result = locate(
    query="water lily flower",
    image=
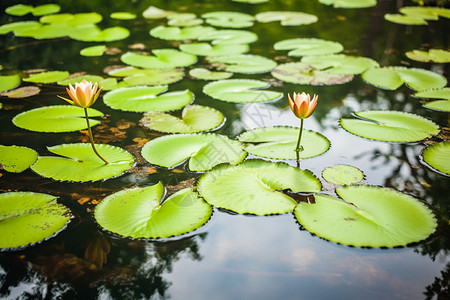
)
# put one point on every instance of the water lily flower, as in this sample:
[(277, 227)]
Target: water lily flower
[(83, 95)]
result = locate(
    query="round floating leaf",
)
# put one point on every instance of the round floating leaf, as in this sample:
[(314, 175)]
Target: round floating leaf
[(254, 187), (204, 151), (405, 20), (93, 51), (340, 64), (153, 12), (184, 19), (22, 92), (144, 98), (302, 73), (75, 79), (28, 218), (240, 91), (139, 213), (194, 118), (442, 105), (229, 37), (163, 59), (205, 49), (19, 10), (369, 216), (19, 27), (47, 77), (73, 19), (435, 55), (350, 3), (390, 126), (40, 10), (95, 34), (16, 158), (437, 156), (57, 118), (229, 19), (78, 162), (287, 18), (134, 76), (244, 63), (9, 82), (122, 15), (172, 33), (343, 175), (308, 46), (205, 74), (280, 142), (386, 78)]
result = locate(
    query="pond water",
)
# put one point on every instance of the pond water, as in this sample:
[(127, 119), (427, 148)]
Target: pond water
[(232, 256)]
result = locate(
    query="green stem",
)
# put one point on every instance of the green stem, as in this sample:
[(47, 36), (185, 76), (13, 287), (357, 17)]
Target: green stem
[(91, 137), (298, 147)]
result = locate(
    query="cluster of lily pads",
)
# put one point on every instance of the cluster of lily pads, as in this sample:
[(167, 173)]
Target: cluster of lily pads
[(366, 216)]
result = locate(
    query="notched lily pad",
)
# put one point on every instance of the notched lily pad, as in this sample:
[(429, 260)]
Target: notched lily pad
[(40, 10), (229, 37), (229, 19), (342, 175), (287, 18), (243, 63), (93, 51), (350, 3), (22, 92), (417, 15), (437, 157), (16, 158), (442, 105), (205, 74), (308, 46), (153, 12), (47, 77), (9, 82), (174, 33), (184, 20), (162, 59), (141, 212), (340, 63), (434, 55), (136, 76), (205, 49)]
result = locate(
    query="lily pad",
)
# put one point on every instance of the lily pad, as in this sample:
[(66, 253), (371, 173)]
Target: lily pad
[(134, 76), (434, 55), (194, 118), (205, 74), (19, 27), (47, 77), (205, 49), (287, 18), (340, 63), (95, 34), (22, 92), (302, 73), (40, 10), (153, 12), (173, 33), (437, 156), (141, 213), (442, 105), (78, 162), (392, 78), (145, 98), (279, 142), (243, 63), (390, 126), (417, 15), (9, 82), (72, 19), (343, 175), (93, 51), (350, 3), (251, 1), (162, 59), (74, 79), (229, 19), (308, 46), (123, 15), (184, 20), (240, 91), (56, 118), (16, 158), (255, 187), (204, 151), (229, 37), (29, 218), (368, 216)]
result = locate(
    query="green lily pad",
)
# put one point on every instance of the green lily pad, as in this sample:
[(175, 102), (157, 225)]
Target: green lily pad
[(56, 118), (123, 15), (28, 218), (308, 46), (205, 74), (254, 187), (93, 51), (75, 79), (140, 212), (251, 1), (343, 175), (390, 126), (350, 3), (162, 59), (40, 10), (229, 37), (437, 157), (405, 20), (302, 73), (441, 105), (392, 78), (417, 15), (47, 77), (19, 27), (287, 18), (279, 142), (9, 82), (153, 12), (72, 19), (194, 118), (173, 33), (229, 19), (145, 98), (16, 158), (240, 91), (205, 49), (243, 63), (184, 20), (368, 216), (22, 92), (434, 55), (204, 151), (78, 162), (94, 34), (134, 76), (340, 63)]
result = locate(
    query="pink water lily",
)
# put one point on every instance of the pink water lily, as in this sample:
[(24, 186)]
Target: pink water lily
[(84, 94), (302, 106)]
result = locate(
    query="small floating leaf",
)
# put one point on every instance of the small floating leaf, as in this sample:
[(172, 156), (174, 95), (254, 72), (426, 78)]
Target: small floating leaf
[(437, 156), (139, 213), (74, 79), (368, 216), (229, 19), (40, 10), (229, 37), (163, 59), (153, 12), (417, 15), (16, 158), (205, 49), (56, 118), (343, 175), (390, 126), (173, 33), (254, 187), (9, 82), (243, 63), (340, 64), (435, 55), (442, 105), (204, 151), (22, 92), (251, 1), (78, 162), (308, 46), (144, 98), (350, 3), (205, 74), (95, 34), (93, 51), (135, 76), (194, 118), (279, 142), (287, 18), (47, 77), (240, 91), (184, 19), (29, 218), (19, 27), (123, 15)]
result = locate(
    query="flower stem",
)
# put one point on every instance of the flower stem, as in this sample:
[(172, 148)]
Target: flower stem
[(299, 147), (91, 139)]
